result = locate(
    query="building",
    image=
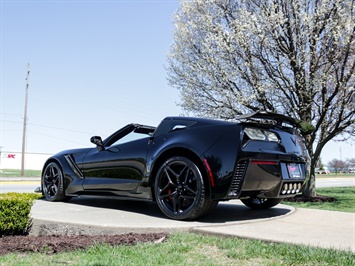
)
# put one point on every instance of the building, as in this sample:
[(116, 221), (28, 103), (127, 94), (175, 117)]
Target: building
[(12, 160)]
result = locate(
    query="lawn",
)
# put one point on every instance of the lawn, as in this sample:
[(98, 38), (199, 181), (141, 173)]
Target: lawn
[(190, 249), (345, 200), (17, 172)]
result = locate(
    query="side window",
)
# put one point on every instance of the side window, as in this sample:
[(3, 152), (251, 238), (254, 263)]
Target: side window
[(129, 137)]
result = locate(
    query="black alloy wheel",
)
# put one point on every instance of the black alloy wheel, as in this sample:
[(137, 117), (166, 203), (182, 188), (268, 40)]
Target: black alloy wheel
[(180, 189), (260, 203), (52, 183)]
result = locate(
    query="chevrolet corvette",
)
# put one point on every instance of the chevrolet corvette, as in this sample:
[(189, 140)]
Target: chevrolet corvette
[(187, 165)]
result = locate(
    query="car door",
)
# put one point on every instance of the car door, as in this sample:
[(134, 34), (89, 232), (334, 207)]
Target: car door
[(119, 167)]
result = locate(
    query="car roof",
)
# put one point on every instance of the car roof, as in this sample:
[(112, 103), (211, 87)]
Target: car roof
[(173, 123)]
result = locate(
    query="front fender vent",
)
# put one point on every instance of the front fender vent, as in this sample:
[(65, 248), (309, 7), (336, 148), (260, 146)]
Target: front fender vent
[(73, 166), (237, 181)]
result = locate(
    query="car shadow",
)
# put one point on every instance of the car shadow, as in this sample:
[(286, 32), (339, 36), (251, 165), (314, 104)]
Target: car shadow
[(231, 211)]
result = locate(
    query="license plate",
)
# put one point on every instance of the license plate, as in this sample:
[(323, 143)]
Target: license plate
[(294, 170)]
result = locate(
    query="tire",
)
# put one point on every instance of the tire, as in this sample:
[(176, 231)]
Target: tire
[(260, 203), (180, 189), (52, 183), (210, 206)]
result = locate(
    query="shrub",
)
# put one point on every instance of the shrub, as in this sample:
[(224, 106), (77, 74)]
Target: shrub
[(15, 212)]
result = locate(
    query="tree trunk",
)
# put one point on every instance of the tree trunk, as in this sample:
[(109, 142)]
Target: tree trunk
[(310, 189)]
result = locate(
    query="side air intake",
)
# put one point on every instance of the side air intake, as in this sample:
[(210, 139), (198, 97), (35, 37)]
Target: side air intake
[(237, 179)]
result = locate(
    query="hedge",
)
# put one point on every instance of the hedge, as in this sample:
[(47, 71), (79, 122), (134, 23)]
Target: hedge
[(15, 211)]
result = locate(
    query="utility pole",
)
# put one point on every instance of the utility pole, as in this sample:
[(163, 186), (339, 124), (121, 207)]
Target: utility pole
[(25, 123)]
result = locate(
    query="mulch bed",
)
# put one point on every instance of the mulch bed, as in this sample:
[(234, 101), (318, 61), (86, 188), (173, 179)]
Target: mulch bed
[(55, 244), (318, 198)]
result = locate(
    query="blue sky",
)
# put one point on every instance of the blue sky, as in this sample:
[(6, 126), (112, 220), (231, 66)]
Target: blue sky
[(95, 67)]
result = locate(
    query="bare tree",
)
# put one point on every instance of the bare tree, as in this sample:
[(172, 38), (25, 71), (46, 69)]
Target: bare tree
[(295, 57), (351, 163), (338, 165)]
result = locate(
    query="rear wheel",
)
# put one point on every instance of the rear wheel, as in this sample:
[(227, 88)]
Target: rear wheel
[(260, 203), (210, 206), (52, 183), (180, 189)]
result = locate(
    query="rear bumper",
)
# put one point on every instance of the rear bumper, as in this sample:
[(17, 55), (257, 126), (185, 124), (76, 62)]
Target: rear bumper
[(267, 179)]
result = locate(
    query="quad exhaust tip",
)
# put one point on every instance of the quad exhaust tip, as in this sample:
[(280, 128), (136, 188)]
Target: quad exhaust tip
[(291, 188)]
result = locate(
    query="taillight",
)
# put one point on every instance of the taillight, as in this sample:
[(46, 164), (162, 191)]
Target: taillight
[(261, 134), (264, 162)]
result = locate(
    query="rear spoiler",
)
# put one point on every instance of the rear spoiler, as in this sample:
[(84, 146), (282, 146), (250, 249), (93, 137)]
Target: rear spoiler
[(305, 128)]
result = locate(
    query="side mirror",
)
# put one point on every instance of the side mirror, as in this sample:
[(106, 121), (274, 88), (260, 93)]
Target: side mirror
[(98, 142)]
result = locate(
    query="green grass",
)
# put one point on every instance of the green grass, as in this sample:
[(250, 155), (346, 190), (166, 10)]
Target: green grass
[(190, 249), (345, 200), (17, 172)]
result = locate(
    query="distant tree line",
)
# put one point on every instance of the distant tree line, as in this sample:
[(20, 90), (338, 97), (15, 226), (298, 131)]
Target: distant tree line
[(342, 166)]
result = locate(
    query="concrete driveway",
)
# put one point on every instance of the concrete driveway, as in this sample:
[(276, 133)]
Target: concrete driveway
[(92, 215), (121, 216)]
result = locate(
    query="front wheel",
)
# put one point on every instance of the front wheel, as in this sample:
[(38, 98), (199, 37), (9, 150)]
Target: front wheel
[(52, 183), (180, 189), (260, 203)]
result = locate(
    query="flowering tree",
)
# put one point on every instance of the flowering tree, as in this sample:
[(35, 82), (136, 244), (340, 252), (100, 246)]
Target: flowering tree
[(295, 57)]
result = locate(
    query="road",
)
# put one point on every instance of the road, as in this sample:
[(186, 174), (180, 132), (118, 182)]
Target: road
[(23, 186), (30, 186), (335, 182)]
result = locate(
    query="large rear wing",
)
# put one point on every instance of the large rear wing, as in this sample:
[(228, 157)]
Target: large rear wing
[(279, 119)]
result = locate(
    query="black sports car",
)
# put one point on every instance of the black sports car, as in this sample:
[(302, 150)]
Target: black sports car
[(187, 165)]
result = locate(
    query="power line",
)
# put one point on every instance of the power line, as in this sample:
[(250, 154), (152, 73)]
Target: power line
[(11, 114), (53, 137), (56, 128)]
